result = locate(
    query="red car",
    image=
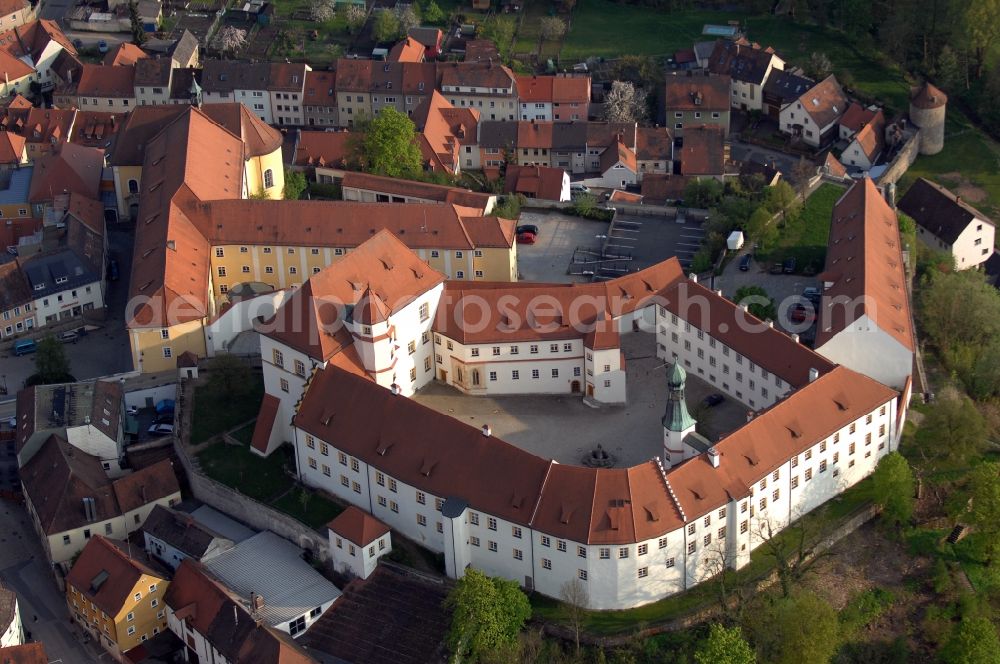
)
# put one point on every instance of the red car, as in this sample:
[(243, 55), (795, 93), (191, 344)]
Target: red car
[(799, 313), (526, 238)]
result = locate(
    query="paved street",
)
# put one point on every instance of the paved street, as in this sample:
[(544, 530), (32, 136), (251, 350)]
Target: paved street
[(24, 569)]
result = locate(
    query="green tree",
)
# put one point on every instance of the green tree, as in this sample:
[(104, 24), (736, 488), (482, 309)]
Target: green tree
[(228, 374), (795, 629), (51, 363), (760, 228), (389, 145), (952, 433), (724, 646), (981, 29), (433, 13), (138, 32), (355, 17), (983, 493), (893, 486), (959, 308), (488, 613), (295, 184), (973, 641), (781, 198), (758, 302), (500, 30), (385, 28), (948, 71), (703, 193)]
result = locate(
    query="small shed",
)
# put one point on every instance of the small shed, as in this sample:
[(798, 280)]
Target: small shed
[(357, 541), (735, 241)]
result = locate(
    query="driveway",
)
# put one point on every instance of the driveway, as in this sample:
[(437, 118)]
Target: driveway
[(25, 570), (786, 163)]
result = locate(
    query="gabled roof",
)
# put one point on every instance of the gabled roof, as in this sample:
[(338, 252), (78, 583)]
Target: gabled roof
[(543, 182), (703, 152), (869, 139), (106, 575), (618, 153), (181, 531), (857, 116), (224, 76), (490, 75), (786, 86), (72, 168), (742, 60), (690, 91), (287, 76), (939, 211), (326, 148), (498, 134), (407, 50), (354, 75), (833, 166), (864, 264), (14, 288), (126, 53), (27, 653), (416, 189), (153, 72), (320, 89), (107, 81), (96, 128), (825, 102), (11, 147), (358, 526)]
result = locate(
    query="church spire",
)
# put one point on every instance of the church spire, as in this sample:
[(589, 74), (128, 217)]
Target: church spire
[(676, 417)]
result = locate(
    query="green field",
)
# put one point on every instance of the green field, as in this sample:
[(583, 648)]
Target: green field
[(805, 235), (318, 511), (236, 466), (216, 411)]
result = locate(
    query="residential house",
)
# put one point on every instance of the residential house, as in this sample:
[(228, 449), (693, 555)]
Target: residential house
[(27, 653), (15, 13), (215, 624), (856, 117), (604, 135), (28, 53), (695, 99), (945, 222), (45, 129), (282, 589), (123, 55), (654, 150), (326, 154), (368, 188), (488, 87), (542, 182), (534, 140), (447, 137), (242, 82), (95, 129), (11, 629), (865, 146), (102, 88), (116, 595), (430, 38), (152, 81), (15, 180), (783, 88), (407, 50), (353, 87), (70, 498), (287, 87), (662, 189), (703, 52), (814, 117), (553, 97), (619, 167), (16, 312), (69, 168), (357, 541), (88, 415), (319, 100), (569, 146), (172, 537), (864, 317), (185, 52), (748, 65), (497, 144), (705, 153)]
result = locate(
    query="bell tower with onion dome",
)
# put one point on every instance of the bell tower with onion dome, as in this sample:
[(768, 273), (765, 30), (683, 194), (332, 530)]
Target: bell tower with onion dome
[(677, 421)]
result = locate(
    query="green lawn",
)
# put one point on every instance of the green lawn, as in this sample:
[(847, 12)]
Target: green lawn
[(526, 40), (236, 466), (245, 434), (820, 521), (318, 512), (805, 237), (216, 411)]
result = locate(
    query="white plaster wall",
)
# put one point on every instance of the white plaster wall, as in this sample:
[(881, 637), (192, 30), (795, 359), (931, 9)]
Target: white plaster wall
[(868, 349)]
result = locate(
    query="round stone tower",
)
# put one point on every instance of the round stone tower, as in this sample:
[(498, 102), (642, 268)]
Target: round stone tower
[(927, 109)]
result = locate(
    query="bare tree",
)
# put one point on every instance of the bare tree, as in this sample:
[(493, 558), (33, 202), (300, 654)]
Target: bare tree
[(355, 15), (322, 11), (574, 596), (717, 563), (408, 17), (802, 173), (793, 551), (231, 39), (624, 103), (553, 28)]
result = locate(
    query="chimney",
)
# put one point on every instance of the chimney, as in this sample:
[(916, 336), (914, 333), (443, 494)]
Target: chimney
[(693, 277), (750, 415), (713, 457), (258, 602), (487, 431), (795, 337), (813, 374), (394, 389)]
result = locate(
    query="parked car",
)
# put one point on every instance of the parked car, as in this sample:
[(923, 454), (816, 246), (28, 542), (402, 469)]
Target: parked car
[(800, 313), (526, 238), (788, 267), (165, 406), (527, 228), (160, 429), (25, 346), (811, 294), (712, 400), (102, 46), (69, 337), (578, 188), (745, 262)]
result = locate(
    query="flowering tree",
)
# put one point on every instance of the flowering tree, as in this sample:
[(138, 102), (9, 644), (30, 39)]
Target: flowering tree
[(321, 11), (355, 15), (232, 39)]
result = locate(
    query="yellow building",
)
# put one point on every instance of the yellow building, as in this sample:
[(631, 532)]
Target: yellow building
[(117, 595)]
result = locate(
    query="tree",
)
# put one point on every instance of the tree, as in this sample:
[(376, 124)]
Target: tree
[(799, 628), (981, 29), (793, 552), (984, 507), (952, 433), (135, 22), (295, 184), (231, 39), (575, 598), (321, 11), (51, 363), (553, 28), (355, 16), (624, 103), (818, 66), (499, 29), (407, 17), (488, 613), (973, 641), (389, 145), (433, 13), (703, 193), (948, 70), (893, 487), (385, 28), (724, 646), (782, 198), (760, 228), (758, 302), (802, 172), (228, 374)]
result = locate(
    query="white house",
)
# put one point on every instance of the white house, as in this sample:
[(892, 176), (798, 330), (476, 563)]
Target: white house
[(945, 222), (357, 541), (12, 633), (814, 117), (748, 65), (619, 167), (171, 537), (864, 316)]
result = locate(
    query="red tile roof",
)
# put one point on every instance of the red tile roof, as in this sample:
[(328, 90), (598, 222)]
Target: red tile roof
[(407, 50), (320, 89), (616, 154), (834, 167), (864, 262), (689, 91), (126, 53), (416, 189), (358, 526), (103, 558), (327, 148), (825, 102), (653, 143), (11, 147), (703, 152), (106, 81), (28, 653), (927, 96), (71, 168), (542, 182), (857, 116), (269, 406)]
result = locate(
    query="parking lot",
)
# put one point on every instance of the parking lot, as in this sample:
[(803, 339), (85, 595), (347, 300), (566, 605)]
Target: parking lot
[(570, 248), (563, 428)]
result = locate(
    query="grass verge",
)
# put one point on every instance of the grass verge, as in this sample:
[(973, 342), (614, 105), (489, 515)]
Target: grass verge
[(216, 411), (236, 466), (805, 236), (314, 511)]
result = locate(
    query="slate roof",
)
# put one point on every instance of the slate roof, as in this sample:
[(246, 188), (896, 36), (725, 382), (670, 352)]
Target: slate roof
[(180, 531), (938, 210)]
